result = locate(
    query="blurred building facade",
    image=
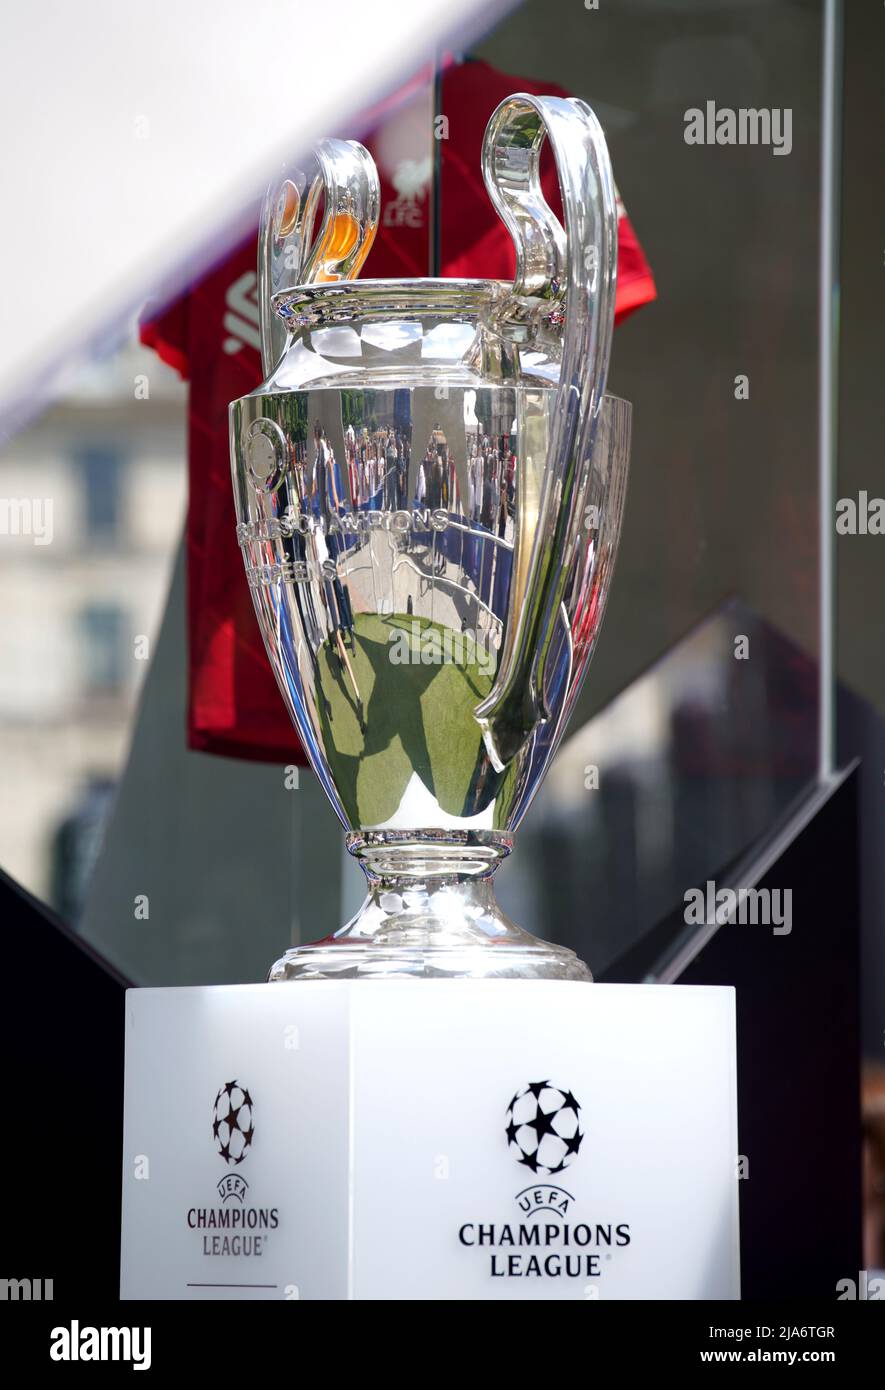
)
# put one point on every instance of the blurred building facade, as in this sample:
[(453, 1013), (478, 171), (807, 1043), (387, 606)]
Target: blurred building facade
[(92, 500)]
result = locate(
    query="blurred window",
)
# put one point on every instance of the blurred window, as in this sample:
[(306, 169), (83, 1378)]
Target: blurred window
[(101, 470), (104, 640)]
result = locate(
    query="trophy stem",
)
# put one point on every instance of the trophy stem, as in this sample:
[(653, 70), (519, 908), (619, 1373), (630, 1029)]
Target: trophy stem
[(430, 912)]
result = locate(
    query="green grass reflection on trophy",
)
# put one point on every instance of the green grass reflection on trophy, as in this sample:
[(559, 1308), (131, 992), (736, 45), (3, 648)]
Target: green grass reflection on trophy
[(409, 717)]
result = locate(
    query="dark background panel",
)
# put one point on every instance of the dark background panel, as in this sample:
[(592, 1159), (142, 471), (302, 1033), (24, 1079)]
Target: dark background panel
[(61, 1033), (798, 1030)]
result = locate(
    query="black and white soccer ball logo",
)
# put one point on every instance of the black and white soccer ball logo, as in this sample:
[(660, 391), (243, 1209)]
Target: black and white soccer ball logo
[(543, 1127), (232, 1122)]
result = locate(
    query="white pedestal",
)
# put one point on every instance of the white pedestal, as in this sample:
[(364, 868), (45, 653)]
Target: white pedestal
[(378, 1162)]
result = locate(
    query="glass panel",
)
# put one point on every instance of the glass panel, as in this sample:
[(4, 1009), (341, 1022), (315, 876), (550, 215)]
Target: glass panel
[(709, 745), (664, 790), (238, 856), (722, 368), (91, 505), (700, 712)]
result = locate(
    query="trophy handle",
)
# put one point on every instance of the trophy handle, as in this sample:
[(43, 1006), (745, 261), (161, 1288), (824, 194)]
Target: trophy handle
[(575, 269), (343, 172)]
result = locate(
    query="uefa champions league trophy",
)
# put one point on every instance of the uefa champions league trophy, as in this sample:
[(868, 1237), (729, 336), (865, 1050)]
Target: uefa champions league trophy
[(429, 489)]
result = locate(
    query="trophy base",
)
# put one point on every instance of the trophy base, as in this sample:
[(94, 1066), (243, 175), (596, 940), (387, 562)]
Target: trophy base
[(385, 1166), (430, 914), (357, 961)]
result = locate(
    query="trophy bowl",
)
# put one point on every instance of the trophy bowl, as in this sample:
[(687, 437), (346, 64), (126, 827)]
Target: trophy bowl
[(429, 489)]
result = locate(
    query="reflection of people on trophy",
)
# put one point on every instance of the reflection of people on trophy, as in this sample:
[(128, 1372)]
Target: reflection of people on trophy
[(489, 506), (356, 447), (424, 471), (391, 460), (490, 494), (300, 471), (339, 615), (510, 475), (459, 493), (326, 498), (295, 547), (353, 476), (402, 474), (503, 512), (438, 495), (474, 482), (377, 460)]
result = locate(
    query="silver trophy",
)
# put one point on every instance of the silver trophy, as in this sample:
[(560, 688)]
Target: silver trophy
[(429, 489)]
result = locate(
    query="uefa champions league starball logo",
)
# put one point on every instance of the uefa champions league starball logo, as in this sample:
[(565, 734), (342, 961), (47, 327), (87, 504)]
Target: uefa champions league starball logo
[(232, 1122), (543, 1127)]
